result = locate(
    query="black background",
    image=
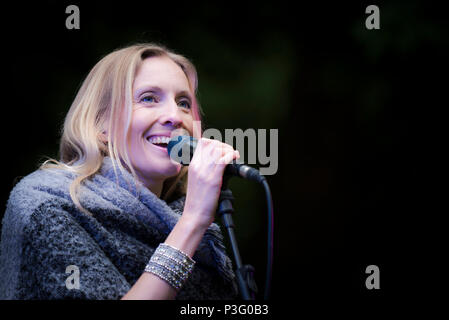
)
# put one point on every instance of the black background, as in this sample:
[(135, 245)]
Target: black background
[(353, 108)]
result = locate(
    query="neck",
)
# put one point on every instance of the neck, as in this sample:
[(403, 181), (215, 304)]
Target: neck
[(154, 186)]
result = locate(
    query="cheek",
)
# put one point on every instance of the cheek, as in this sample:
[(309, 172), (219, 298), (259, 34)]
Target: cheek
[(135, 136), (141, 121), (188, 123)]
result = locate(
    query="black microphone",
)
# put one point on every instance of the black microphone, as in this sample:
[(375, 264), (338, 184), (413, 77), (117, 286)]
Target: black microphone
[(181, 149)]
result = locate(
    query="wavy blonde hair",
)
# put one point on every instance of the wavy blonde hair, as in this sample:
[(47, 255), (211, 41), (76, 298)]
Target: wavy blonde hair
[(105, 99)]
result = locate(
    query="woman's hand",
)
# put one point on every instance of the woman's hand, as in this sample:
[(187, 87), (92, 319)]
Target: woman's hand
[(205, 177), (203, 190)]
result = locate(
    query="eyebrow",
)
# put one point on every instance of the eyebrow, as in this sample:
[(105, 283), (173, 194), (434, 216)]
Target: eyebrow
[(156, 89)]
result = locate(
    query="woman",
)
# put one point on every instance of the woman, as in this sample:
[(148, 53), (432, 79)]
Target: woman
[(116, 218)]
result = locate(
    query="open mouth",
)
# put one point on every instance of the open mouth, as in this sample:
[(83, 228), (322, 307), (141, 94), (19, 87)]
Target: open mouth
[(159, 141)]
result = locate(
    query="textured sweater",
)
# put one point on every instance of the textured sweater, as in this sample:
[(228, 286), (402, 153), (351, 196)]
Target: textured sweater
[(43, 233)]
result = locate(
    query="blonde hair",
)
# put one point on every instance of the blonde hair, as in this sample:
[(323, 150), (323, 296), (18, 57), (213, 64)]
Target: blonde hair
[(103, 99)]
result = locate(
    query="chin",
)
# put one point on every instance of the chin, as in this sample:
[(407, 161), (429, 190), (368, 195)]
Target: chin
[(165, 172), (172, 172)]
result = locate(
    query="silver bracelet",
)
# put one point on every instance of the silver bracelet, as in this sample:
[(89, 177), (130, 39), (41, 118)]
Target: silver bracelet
[(171, 265)]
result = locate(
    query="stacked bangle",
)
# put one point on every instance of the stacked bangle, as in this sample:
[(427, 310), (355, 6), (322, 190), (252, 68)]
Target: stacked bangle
[(171, 265)]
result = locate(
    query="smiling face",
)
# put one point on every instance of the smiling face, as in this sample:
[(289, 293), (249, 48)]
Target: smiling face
[(162, 102)]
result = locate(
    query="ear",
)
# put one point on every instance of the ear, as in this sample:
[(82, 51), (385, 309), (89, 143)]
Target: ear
[(103, 136)]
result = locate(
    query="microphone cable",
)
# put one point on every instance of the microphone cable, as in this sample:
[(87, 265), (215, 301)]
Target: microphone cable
[(269, 269)]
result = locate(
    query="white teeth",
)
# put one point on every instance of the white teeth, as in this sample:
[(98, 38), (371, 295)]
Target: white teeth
[(159, 139)]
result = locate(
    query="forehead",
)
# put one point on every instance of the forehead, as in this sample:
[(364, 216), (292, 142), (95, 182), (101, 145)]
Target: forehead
[(161, 71)]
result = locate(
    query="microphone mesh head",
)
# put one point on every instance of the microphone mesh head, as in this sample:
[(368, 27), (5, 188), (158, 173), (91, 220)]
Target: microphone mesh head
[(181, 149)]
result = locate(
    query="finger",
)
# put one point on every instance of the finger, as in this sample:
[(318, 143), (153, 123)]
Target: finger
[(216, 150), (201, 149), (220, 150), (227, 158)]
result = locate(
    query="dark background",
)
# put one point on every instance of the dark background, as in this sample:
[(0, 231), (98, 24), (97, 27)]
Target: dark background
[(351, 106)]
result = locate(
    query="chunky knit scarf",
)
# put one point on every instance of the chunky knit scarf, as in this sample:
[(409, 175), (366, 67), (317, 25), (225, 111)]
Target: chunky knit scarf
[(43, 233)]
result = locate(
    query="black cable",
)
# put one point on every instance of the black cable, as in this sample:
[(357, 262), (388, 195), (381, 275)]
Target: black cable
[(269, 272)]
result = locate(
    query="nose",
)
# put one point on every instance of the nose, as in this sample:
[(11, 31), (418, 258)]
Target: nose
[(171, 115)]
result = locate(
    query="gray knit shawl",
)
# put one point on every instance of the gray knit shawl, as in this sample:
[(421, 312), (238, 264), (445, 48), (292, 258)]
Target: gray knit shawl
[(43, 232)]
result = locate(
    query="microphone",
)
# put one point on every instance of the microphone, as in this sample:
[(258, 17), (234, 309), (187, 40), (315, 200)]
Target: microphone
[(181, 149)]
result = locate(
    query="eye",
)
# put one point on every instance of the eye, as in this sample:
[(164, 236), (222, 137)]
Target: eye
[(149, 99), (184, 104)]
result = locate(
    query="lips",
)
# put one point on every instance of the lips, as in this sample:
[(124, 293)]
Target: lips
[(160, 141)]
